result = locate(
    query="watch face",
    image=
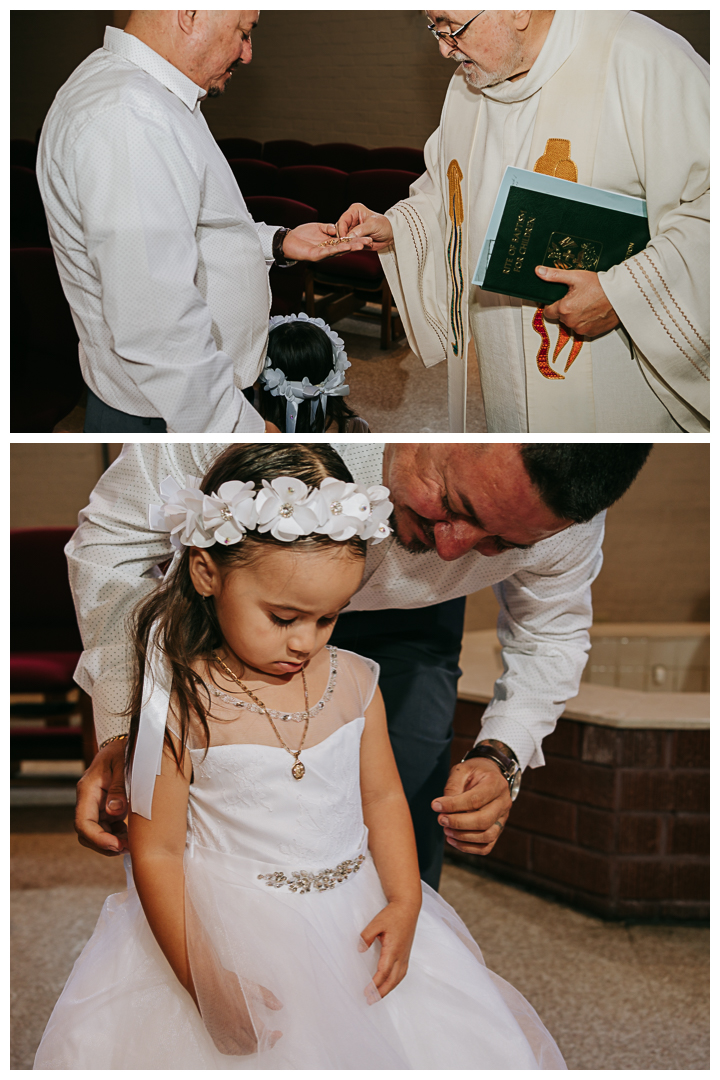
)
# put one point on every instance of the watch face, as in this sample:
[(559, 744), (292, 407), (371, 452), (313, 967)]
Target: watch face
[(515, 785)]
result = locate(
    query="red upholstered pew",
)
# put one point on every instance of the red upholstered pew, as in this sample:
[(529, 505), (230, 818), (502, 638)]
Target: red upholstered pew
[(45, 646)]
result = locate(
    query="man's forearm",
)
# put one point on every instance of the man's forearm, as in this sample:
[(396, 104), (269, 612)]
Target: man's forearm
[(110, 557)]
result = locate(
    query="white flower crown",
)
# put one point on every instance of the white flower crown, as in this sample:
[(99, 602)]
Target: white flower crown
[(333, 385), (286, 508)]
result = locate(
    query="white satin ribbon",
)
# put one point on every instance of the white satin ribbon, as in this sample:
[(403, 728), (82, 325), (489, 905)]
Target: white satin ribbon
[(147, 760)]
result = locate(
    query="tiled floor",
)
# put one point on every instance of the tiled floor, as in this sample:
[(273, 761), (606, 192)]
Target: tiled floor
[(614, 996), (390, 389), (395, 392)]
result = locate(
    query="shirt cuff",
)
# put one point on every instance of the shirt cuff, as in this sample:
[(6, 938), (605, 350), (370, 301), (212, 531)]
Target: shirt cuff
[(110, 695), (265, 236), (514, 735)]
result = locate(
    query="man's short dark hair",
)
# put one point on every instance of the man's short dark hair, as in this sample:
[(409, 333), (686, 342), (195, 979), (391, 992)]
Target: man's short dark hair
[(578, 480)]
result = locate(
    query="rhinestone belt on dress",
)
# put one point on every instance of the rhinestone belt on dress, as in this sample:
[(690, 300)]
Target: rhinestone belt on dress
[(303, 881)]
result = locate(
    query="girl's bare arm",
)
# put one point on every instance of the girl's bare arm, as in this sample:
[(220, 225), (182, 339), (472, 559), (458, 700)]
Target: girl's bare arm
[(392, 844), (157, 848)]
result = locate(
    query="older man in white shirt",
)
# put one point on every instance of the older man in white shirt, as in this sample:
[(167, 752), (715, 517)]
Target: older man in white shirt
[(466, 517), (165, 271)]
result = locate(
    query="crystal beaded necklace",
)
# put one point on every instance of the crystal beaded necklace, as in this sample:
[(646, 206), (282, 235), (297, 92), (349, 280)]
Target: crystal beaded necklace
[(296, 717)]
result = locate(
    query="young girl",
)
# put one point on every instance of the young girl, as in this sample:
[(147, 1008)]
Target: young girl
[(302, 387), (275, 917)]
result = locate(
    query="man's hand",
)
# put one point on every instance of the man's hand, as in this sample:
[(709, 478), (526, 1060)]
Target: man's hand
[(102, 803), (585, 309), (394, 927), (307, 242), (270, 429), (474, 806), (364, 222)]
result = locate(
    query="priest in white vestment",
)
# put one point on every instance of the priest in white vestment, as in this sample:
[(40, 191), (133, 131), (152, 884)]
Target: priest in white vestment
[(629, 102)]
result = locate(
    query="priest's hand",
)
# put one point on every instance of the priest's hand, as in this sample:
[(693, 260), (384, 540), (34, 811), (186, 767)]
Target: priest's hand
[(585, 309), (359, 221), (310, 243), (475, 806)]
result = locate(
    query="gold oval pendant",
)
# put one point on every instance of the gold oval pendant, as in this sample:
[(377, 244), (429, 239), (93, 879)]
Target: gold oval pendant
[(298, 770)]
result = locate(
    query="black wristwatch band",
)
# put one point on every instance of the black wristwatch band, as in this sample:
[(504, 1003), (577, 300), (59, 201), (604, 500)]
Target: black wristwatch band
[(509, 767), (484, 750), (277, 249)]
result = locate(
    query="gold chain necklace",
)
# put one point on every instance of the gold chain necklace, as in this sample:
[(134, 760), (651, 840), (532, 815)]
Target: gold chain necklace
[(298, 769)]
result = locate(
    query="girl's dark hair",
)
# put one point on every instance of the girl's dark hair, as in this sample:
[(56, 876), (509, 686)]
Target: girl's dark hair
[(298, 349), (187, 624)]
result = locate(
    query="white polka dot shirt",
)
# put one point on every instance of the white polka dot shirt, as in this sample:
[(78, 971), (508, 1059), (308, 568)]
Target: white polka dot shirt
[(544, 592), (164, 269)]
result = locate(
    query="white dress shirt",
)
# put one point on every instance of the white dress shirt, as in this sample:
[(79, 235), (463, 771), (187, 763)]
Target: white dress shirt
[(544, 592), (164, 269)]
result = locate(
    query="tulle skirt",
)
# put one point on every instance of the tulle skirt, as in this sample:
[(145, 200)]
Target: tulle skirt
[(123, 1008)]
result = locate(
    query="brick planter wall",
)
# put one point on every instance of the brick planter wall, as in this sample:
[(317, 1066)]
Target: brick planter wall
[(617, 821)]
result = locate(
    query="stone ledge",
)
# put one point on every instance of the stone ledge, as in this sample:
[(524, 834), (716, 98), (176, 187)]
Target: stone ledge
[(607, 706)]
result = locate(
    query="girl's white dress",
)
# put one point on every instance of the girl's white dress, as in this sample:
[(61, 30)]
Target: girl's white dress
[(279, 877)]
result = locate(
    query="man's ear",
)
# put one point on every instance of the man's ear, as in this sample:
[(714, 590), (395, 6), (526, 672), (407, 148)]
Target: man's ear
[(186, 21), (522, 19), (203, 572)]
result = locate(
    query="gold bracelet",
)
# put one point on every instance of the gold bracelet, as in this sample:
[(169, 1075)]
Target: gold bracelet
[(113, 738)]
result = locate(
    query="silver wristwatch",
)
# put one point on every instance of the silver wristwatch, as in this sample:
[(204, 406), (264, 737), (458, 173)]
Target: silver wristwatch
[(508, 767)]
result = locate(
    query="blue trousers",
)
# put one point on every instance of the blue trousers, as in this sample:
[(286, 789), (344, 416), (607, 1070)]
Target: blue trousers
[(100, 417), (418, 652)]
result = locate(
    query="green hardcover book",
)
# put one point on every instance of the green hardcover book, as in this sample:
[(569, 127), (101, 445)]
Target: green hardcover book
[(542, 221)]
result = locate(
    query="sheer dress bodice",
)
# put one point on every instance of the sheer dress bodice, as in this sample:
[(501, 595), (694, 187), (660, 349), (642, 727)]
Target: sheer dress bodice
[(245, 802)]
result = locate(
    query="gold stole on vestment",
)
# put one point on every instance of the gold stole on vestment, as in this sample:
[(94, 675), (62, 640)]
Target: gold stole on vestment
[(458, 280), (458, 139)]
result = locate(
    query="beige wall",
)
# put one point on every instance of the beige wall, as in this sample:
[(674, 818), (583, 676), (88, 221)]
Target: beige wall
[(656, 548), (50, 483), (369, 77), (657, 552)]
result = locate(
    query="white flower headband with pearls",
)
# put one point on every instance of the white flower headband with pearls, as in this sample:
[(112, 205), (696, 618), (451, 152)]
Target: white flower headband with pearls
[(285, 507)]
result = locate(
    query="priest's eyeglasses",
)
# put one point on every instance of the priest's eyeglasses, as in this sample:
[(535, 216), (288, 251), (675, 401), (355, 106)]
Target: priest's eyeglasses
[(451, 39)]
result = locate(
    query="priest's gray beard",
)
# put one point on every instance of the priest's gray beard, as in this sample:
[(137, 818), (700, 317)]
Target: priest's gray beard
[(480, 78)]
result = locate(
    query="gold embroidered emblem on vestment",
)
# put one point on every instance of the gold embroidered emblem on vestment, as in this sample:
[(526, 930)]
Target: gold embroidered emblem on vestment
[(556, 160)]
